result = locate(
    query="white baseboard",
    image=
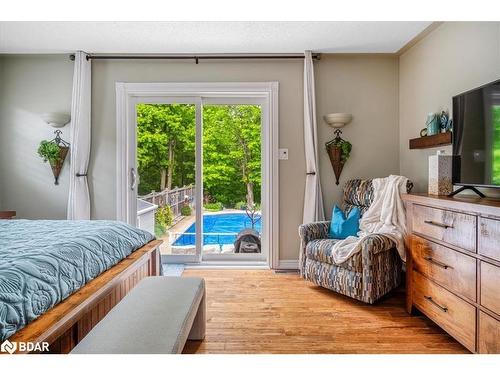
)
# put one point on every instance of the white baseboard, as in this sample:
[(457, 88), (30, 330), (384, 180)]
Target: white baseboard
[(288, 264)]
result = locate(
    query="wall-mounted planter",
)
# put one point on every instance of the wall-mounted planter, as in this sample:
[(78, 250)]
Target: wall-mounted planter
[(338, 151), (335, 154), (54, 152), (58, 164)]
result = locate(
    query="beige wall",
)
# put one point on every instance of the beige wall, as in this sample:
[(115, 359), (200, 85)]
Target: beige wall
[(29, 87), (454, 58), (367, 87), (363, 85)]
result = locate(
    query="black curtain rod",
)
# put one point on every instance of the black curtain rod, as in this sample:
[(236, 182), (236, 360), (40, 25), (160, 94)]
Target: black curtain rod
[(196, 58)]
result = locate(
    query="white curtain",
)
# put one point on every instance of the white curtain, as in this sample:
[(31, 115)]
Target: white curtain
[(79, 198), (313, 199)]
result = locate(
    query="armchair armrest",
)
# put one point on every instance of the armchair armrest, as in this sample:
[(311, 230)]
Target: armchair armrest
[(381, 267), (376, 243), (307, 233), (314, 231)]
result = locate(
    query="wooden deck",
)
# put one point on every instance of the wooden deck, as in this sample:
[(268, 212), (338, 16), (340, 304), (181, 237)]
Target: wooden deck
[(264, 312)]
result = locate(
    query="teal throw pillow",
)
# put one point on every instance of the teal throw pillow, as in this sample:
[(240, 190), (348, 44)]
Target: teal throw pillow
[(341, 226)]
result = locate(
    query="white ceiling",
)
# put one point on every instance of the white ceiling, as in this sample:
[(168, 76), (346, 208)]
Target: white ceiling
[(207, 37)]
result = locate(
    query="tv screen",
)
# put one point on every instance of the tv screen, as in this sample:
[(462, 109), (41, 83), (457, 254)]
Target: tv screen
[(476, 136)]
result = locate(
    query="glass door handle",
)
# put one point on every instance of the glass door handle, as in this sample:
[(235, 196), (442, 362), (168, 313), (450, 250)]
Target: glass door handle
[(133, 179)]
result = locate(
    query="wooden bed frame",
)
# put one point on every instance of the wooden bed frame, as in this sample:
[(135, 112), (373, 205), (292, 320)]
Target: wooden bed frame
[(63, 326)]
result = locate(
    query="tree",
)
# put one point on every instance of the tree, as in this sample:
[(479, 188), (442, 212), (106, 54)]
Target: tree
[(231, 150), (165, 145)]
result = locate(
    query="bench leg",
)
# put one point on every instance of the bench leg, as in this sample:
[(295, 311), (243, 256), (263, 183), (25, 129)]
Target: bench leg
[(199, 324)]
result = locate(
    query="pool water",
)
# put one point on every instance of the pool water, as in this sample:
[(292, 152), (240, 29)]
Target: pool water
[(219, 229)]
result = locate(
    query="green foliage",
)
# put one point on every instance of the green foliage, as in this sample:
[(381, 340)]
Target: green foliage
[(231, 152), (186, 211), (496, 145), (240, 205), (163, 218), (165, 140), (159, 230), (243, 205), (231, 149), (217, 206), (49, 151), (346, 147)]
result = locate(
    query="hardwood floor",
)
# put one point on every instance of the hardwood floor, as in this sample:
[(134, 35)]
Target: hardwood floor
[(258, 311)]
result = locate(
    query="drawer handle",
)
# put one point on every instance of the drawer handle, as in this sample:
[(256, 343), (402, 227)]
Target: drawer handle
[(441, 225), (437, 263), (429, 298)]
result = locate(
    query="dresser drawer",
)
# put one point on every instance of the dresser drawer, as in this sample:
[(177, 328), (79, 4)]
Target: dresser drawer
[(451, 227), (450, 312), (488, 238), (451, 269), (490, 287), (489, 334)]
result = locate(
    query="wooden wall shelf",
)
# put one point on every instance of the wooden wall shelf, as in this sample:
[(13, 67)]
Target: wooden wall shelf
[(429, 141)]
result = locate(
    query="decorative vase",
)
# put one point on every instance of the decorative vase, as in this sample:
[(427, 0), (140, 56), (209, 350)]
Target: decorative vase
[(432, 124), (57, 166), (440, 169)]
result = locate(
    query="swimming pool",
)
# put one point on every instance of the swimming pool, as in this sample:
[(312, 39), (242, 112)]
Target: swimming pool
[(218, 229)]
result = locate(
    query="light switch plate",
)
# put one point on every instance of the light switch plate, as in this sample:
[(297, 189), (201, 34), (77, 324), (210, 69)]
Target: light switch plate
[(283, 153)]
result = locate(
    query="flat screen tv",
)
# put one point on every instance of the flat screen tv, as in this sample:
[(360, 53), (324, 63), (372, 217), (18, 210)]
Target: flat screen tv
[(476, 137)]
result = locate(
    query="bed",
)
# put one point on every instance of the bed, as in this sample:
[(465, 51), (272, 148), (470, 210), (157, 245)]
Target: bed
[(58, 278)]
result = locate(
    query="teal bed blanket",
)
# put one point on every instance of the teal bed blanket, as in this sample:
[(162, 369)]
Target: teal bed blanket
[(42, 262)]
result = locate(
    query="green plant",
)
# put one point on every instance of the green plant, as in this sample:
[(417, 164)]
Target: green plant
[(49, 151), (345, 146), (186, 211), (164, 217), (240, 205), (159, 230), (217, 206)]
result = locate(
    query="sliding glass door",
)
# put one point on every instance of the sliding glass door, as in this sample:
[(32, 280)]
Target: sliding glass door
[(232, 180), (197, 172)]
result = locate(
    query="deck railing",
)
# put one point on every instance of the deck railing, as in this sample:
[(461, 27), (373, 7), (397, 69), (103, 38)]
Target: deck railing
[(175, 198)]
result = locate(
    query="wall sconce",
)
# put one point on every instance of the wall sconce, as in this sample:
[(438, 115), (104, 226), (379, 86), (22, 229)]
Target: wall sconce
[(55, 119), (338, 149)]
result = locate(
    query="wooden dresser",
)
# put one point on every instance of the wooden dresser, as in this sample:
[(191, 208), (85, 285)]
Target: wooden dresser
[(453, 266)]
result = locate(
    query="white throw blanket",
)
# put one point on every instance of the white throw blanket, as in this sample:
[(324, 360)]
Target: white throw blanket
[(386, 215)]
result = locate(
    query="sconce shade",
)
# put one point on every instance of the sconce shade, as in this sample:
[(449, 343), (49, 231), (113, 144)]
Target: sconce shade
[(56, 120), (337, 120)]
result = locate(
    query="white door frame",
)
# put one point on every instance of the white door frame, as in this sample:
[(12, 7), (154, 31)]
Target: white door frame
[(127, 94)]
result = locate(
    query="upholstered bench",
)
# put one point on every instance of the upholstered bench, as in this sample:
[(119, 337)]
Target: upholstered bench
[(156, 317)]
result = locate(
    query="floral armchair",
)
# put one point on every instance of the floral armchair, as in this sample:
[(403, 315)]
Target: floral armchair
[(367, 275)]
